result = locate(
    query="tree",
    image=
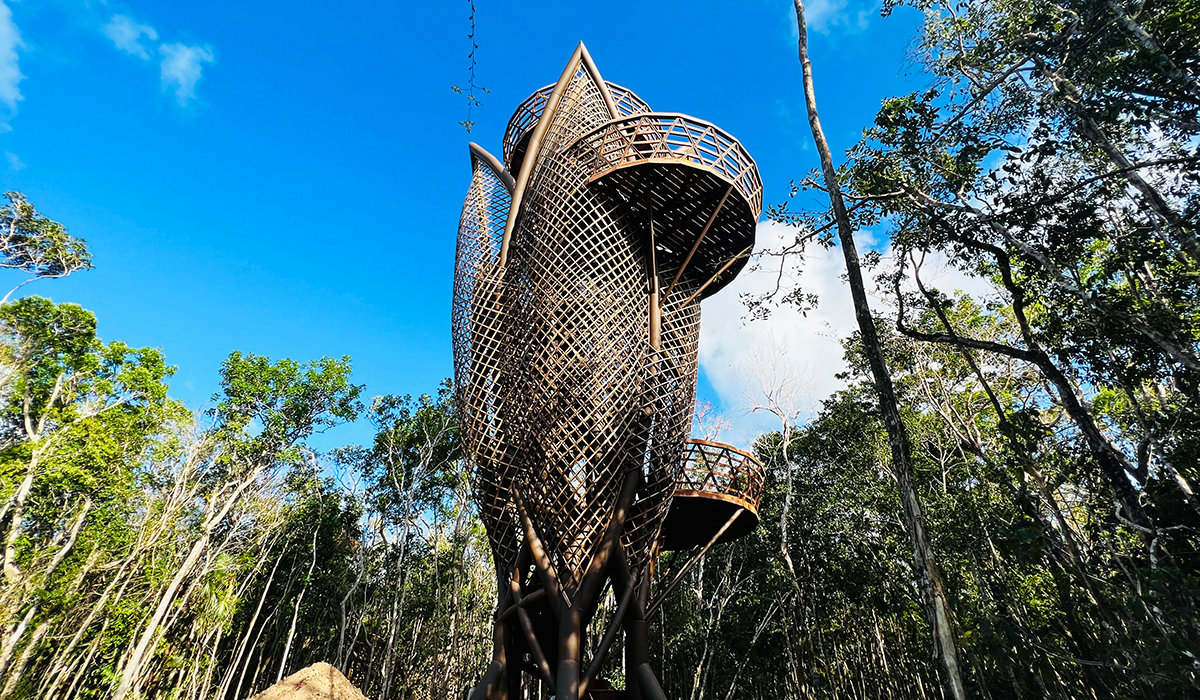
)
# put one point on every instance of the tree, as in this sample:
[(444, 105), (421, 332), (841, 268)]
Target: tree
[(34, 244), (77, 417), (937, 607), (1054, 155), (265, 410), (1075, 222)]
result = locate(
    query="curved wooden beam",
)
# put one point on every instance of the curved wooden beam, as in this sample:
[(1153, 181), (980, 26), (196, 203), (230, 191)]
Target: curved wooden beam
[(535, 144), (525, 603), (609, 637), (535, 647), (593, 71), (541, 560), (581, 56), (479, 153)]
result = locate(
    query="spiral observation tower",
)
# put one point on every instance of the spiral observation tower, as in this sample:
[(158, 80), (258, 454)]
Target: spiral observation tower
[(582, 260)]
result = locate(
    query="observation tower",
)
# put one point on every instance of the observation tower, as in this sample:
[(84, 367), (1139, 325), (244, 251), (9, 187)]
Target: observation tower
[(582, 261)]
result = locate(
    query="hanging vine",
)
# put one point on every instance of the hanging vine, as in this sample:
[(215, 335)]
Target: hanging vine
[(469, 92)]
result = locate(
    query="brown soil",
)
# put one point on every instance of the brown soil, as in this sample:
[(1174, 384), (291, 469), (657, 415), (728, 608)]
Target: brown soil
[(317, 682)]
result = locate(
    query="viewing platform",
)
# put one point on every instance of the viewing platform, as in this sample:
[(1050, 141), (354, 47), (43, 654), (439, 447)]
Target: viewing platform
[(697, 184), (717, 481), (525, 118)]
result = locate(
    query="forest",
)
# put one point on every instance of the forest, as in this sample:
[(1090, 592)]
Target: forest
[(1000, 502)]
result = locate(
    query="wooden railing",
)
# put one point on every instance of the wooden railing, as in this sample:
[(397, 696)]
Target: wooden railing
[(669, 137), (714, 469), (530, 111)]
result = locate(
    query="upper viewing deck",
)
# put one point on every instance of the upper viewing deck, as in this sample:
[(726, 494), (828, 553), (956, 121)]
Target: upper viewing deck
[(697, 184), (667, 137), (523, 121)]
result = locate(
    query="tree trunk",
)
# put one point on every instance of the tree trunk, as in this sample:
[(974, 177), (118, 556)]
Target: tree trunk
[(133, 668), (1087, 128), (287, 648), (937, 607), (237, 660)]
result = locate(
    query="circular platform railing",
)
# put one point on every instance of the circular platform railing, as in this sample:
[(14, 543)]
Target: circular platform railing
[(717, 470), (523, 120), (530, 111), (716, 481), (668, 137)]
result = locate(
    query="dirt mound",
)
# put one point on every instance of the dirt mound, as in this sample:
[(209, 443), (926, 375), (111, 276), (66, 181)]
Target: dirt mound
[(317, 682)]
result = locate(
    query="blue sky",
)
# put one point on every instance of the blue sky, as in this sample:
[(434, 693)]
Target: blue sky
[(286, 178)]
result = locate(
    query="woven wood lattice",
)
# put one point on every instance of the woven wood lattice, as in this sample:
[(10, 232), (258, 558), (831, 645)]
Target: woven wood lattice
[(477, 320), (576, 319), (521, 125)]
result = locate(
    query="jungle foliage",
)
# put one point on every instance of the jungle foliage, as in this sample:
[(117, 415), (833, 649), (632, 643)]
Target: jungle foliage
[(149, 551)]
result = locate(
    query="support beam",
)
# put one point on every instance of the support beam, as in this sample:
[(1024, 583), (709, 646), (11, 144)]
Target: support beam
[(593, 580), (717, 274), (495, 683), (535, 144), (696, 246), (525, 603), (580, 57), (658, 600), (609, 637), (535, 647), (541, 561)]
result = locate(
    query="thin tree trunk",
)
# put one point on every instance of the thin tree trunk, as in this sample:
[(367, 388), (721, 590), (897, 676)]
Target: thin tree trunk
[(287, 648), (133, 668), (340, 661), (246, 666), (11, 572), (86, 666), (62, 664), (1091, 131), (1148, 44), (937, 607), (9, 646), (237, 661)]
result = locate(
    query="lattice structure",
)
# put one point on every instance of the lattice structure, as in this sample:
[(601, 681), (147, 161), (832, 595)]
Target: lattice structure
[(479, 327), (576, 321), (520, 127)]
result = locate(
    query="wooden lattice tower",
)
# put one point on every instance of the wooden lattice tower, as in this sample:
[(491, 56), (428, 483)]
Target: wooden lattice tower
[(581, 263)]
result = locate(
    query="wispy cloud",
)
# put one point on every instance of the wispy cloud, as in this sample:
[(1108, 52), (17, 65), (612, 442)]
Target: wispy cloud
[(10, 72), (182, 64), (14, 161), (837, 16), (127, 35), (181, 68)]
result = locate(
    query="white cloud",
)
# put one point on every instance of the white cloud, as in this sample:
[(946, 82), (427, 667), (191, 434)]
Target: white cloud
[(181, 65), (730, 343), (829, 16), (10, 72), (14, 161), (127, 34), (739, 355)]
